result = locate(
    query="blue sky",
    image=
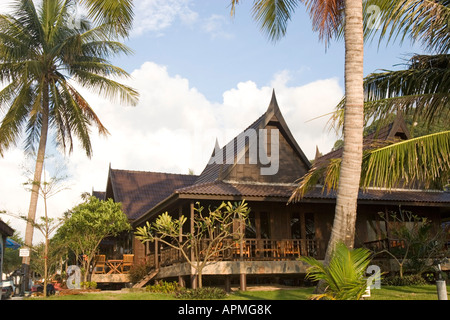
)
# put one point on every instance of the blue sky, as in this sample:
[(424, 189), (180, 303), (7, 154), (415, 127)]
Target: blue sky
[(215, 51), (202, 76)]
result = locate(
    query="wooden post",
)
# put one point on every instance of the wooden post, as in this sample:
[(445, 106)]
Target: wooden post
[(388, 231), (181, 281), (180, 239), (156, 254), (243, 276), (303, 244), (228, 283), (243, 281), (193, 274)]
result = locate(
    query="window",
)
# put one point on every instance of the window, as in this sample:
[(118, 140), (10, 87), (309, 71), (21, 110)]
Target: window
[(310, 226), (264, 217), (250, 228), (376, 228), (296, 232)]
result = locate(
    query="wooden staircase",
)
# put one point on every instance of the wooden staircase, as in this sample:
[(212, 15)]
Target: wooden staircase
[(146, 279)]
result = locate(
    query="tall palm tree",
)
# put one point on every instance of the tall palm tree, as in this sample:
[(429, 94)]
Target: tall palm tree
[(421, 89), (42, 57), (327, 18)]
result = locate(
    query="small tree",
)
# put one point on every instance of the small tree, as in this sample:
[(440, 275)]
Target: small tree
[(89, 223), (417, 244), (213, 233), (343, 277), (45, 225), (47, 189)]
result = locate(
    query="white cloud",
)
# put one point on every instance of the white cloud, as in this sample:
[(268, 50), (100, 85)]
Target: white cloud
[(216, 26), (173, 129), (5, 7), (157, 15), (150, 15)]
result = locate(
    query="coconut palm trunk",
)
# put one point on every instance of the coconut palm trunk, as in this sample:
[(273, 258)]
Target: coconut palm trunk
[(41, 57), (36, 182), (327, 18), (347, 193)]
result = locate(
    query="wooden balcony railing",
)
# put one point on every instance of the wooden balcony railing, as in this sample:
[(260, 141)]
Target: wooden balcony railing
[(384, 244), (379, 247), (252, 250)]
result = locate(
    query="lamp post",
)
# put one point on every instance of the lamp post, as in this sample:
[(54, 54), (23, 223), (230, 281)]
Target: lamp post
[(440, 283)]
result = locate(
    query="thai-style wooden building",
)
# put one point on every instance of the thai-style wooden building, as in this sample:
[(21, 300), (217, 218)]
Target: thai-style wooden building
[(5, 232), (279, 232)]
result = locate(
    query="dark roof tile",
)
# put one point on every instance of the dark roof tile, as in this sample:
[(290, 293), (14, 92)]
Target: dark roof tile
[(139, 191), (239, 189)]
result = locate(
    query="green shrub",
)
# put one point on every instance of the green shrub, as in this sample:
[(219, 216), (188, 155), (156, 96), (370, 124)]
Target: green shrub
[(88, 285), (407, 280), (344, 277), (165, 287), (202, 294)]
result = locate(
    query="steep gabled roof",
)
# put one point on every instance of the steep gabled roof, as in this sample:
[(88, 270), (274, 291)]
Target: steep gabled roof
[(99, 194), (239, 189), (5, 230), (396, 130), (220, 171), (139, 191)]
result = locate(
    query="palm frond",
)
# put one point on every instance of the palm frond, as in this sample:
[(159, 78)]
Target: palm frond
[(422, 89), (324, 173), (344, 275), (420, 161), (15, 43), (75, 120), (425, 21), (116, 13), (273, 16), (424, 159), (308, 182), (110, 89), (27, 19), (16, 116), (327, 17)]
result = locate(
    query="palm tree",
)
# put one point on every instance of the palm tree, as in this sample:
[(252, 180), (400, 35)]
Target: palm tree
[(422, 160), (422, 21), (424, 85), (343, 277), (327, 18), (42, 57), (422, 89)]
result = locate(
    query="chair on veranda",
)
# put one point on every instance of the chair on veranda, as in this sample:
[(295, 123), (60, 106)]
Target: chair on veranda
[(127, 262), (100, 264)]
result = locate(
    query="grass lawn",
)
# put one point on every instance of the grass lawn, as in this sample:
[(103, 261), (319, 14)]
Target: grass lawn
[(427, 292)]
